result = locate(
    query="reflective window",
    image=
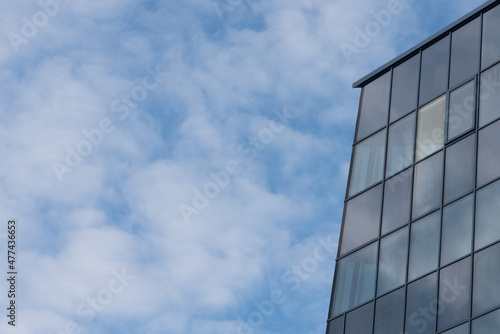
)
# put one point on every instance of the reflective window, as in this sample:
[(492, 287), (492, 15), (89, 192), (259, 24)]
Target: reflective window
[(488, 159), (405, 88), (360, 321), (389, 314), (336, 326), (459, 169), (465, 52), (486, 289), (430, 129), (489, 98), (421, 306), (393, 258), (462, 110), (463, 329), (424, 246), (361, 219), (454, 294), (487, 213), (428, 185), (355, 282), (491, 43), (368, 164), (374, 106), (397, 199), (487, 324), (434, 73), (401, 145), (457, 230)]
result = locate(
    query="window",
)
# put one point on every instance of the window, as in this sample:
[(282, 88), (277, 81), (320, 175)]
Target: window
[(397, 200), (374, 106), (486, 289), (491, 43), (487, 324), (336, 326), (360, 321), (462, 110), (421, 305), (454, 294), (488, 164), (465, 52), (401, 144), (361, 219), (489, 99), (457, 230), (430, 129), (428, 186), (463, 329), (434, 72), (393, 258), (459, 170), (389, 314), (487, 213), (405, 88), (368, 163), (424, 246), (355, 281)]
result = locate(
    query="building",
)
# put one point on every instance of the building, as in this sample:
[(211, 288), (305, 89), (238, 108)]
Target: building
[(419, 251)]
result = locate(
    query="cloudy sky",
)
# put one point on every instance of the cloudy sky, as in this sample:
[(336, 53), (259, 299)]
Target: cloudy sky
[(180, 166)]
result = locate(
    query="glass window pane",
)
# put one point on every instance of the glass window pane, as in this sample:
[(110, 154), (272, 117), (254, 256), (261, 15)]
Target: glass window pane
[(487, 324), (459, 169), (336, 326), (462, 110), (401, 145), (465, 52), (463, 329), (360, 321), (457, 230), (393, 258), (361, 219), (491, 42), (389, 314), (486, 273), (489, 98), (430, 129), (355, 281), (424, 246), (488, 160), (397, 200), (454, 294), (368, 164), (421, 306), (487, 213), (405, 88), (428, 186), (374, 106), (434, 73)]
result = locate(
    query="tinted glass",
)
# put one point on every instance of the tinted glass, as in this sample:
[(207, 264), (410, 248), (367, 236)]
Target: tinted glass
[(355, 282), (487, 213), (424, 246), (393, 258), (421, 306), (487, 324), (488, 159), (454, 294), (374, 106), (459, 169), (336, 326), (405, 88), (430, 129), (360, 321), (397, 201), (486, 273), (368, 164), (457, 230), (401, 145), (428, 186), (462, 110), (361, 219), (463, 329), (435, 65), (465, 52), (389, 314), (489, 98), (491, 43)]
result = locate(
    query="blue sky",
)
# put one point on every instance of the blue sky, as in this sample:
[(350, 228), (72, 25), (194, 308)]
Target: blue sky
[(180, 167)]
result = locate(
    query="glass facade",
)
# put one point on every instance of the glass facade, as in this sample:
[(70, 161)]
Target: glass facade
[(419, 250)]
